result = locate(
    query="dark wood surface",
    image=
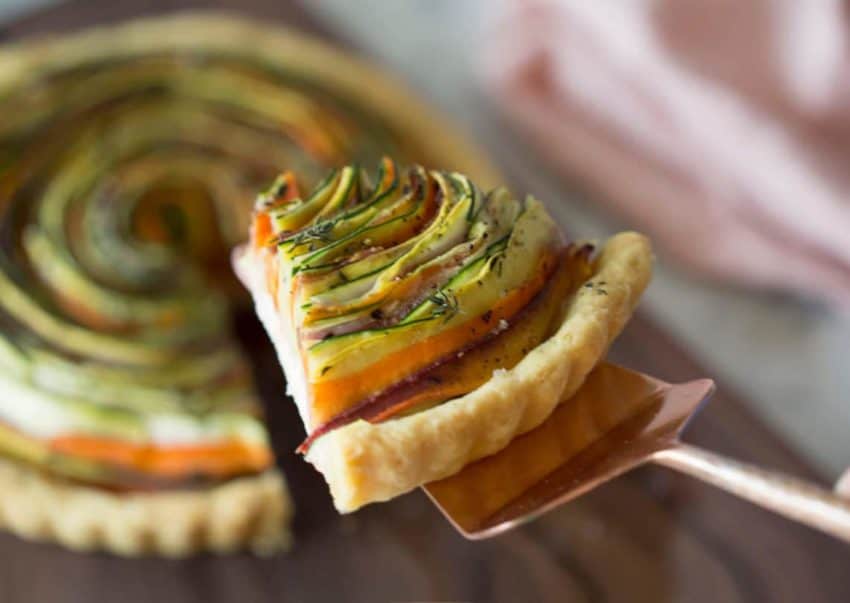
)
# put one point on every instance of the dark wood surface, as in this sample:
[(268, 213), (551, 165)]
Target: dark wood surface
[(650, 536)]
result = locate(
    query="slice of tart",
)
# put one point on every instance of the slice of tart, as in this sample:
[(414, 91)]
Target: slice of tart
[(130, 444), (95, 460), (422, 323)]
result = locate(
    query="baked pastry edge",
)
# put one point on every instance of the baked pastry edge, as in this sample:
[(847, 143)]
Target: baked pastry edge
[(365, 462), (251, 512)]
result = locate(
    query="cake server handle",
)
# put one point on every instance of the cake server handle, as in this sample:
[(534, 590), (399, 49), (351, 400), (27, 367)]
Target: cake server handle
[(791, 497)]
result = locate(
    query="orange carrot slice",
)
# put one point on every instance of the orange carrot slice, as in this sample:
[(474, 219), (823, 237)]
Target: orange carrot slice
[(220, 459)]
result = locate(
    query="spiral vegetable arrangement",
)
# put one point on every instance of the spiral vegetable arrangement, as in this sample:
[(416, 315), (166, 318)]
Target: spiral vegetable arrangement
[(128, 171), (400, 290)]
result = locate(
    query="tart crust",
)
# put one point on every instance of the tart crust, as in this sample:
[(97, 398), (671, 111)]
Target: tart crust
[(250, 512), (365, 462)]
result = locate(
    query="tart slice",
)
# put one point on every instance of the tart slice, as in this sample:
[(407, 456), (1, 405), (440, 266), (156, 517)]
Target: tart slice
[(421, 323), (123, 441), (95, 461)]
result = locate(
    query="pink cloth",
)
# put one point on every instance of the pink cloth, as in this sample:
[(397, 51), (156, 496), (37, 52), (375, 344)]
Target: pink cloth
[(720, 128)]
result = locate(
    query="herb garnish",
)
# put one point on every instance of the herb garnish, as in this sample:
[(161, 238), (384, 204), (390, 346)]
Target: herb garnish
[(317, 232), (446, 303)]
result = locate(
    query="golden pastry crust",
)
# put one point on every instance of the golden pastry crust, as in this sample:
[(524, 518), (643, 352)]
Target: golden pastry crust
[(364, 462), (251, 512)]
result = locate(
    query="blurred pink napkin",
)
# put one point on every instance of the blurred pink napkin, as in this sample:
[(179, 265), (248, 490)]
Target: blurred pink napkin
[(720, 128)]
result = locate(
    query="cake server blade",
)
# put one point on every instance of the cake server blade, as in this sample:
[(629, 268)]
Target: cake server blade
[(618, 420)]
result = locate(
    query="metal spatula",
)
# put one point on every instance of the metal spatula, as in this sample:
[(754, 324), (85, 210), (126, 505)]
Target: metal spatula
[(618, 420)]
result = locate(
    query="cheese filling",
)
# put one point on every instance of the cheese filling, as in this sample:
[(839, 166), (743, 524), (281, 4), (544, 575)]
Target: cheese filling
[(46, 416), (250, 270)]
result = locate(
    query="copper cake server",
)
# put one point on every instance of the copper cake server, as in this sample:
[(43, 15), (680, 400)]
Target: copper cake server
[(619, 419)]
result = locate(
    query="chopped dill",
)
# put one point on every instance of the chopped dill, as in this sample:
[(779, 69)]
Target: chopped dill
[(320, 232), (446, 303)]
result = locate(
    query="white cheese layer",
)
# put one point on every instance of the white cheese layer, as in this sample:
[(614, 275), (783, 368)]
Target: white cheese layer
[(44, 416), (31, 412), (250, 269)]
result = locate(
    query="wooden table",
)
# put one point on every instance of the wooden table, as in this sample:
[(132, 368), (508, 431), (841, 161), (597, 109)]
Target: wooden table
[(650, 536)]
